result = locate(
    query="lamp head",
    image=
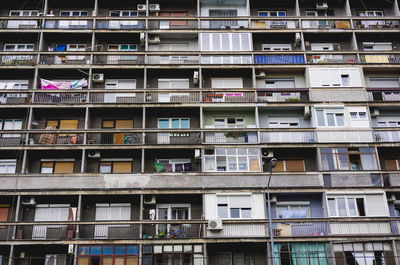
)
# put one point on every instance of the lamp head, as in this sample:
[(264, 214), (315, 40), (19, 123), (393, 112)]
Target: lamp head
[(273, 162)]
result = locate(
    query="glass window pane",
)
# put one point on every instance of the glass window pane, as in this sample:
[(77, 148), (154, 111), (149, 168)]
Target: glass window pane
[(120, 250), (341, 206), (332, 207), (328, 162), (222, 210), (216, 42), (245, 42), (95, 250), (225, 42), (352, 207), (205, 42), (175, 123), (343, 162), (331, 119), (368, 162), (163, 123), (235, 42), (320, 118), (340, 119), (246, 213), (184, 123), (108, 250), (235, 212)]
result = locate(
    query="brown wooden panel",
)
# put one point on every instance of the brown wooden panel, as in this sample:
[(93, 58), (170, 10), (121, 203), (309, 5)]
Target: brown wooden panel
[(51, 123), (123, 124), (391, 164), (122, 167), (83, 260), (131, 260), (119, 138), (294, 165), (254, 164), (4, 214), (64, 167), (279, 166)]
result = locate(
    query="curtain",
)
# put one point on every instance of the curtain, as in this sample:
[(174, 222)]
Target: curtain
[(300, 254)]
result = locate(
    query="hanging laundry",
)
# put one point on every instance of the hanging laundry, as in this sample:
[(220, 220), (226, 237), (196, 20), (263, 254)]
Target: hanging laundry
[(79, 83), (47, 84)]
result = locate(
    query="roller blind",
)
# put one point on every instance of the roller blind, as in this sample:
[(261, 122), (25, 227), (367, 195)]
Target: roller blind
[(68, 124), (240, 201), (4, 214), (294, 165), (64, 167), (122, 167), (279, 166), (108, 124), (391, 164), (377, 205), (52, 123)]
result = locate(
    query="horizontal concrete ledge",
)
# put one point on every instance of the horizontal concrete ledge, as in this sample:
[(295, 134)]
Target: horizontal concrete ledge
[(128, 181)]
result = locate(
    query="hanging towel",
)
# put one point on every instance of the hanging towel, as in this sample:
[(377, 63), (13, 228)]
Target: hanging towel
[(79, 84), (48, 84)]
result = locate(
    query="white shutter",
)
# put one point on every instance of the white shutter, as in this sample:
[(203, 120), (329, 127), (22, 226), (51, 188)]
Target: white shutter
[(335, 77), (258, 209), (240, 201), (41, 214), (210, 206), (315, 75), (376, 205), (227, 83), (102, 212)]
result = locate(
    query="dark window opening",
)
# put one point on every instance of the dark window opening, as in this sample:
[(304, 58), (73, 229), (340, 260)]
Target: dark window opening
[(360, 206)]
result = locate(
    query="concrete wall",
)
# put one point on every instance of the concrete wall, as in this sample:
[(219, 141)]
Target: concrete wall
[(338, 95)]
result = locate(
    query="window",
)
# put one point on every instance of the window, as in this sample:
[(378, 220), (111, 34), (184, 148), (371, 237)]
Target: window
[(377, 46), (75, 13), (181, 83), (24, 13), (50, 213), (8, 166), (119, 167), (389, 82), (114, 59), (330, 117), (371, 253), (234, 207), (325, 46), (280, 83), (11, 124), (232, 159), (225, 41), (18, 47), (63, 124), (346, 206), (123, 13), (112, 212), (119, 84), (277, 47), (348, 159), (296, 209), (271, 13), (56, 167), (230, 122), (335, 77), (173, 212), (370, 13), (174, 123), (283, 122), (286, 165), (55, 259), (107, 255), (173, 165), (218, 24), (300, 253), (172, 254), (361, 115)]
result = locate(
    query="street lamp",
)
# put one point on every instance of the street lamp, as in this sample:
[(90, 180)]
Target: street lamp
[(272, 165)]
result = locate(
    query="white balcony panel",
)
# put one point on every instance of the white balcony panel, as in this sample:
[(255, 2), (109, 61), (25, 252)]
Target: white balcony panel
[(239, 230), (360, 228)]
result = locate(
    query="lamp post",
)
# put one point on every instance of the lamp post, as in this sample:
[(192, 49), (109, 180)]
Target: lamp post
[(272, 165)]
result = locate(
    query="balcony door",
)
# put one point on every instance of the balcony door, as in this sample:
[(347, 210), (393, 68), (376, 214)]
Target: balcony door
[(120, 85), (50, 213), (172, 84), (111, 212)]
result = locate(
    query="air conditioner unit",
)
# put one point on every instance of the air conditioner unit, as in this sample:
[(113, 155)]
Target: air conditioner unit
[(154, 7), (273, 198), (98, 78), (70, 249), (215, 224), (141, 8), (307, 112), (260, 74), (375, 113), (29, 202), (267, 153), (154, 39), (197, 153), (195, 77), (149, 199), (321, 5), (94, 154)]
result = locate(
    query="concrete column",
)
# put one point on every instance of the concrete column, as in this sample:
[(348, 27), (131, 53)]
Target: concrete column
[(96, 8), (354, 42), (394, 249), (297, 7), (78, 218), (29, 124), (347, 8), (24, 161), (45, 7), (17, 214), (40, 46), (143, 160), (396, 11), (11, 256)]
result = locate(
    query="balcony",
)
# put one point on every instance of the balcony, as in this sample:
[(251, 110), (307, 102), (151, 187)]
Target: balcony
[(374, 23), (173, 59), (289, 95), (224, 23), (58, 138), (357, 228), (328, 24), (331, 58), (65, 59), (186, 96), (300, 229), (70, 97), (15, 97), (115, 138), (231, 96), (175, 23), (117, 96), (344, 136), (287, 137), (387, 136), (117, 59), (383, 94), (175, 137)]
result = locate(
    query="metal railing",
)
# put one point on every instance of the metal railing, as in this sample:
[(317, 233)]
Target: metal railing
[(230, 137), (123, 24), (290, 95), (325, 24), (59, 97), (173, 137), (172, 97), (230, 96), (331, 58), (68, 24), (375, 23), (18, 59), (65, 59), (224, 23), (118, 59), (274, 24), (13, 98), (380, 58), (383, 94), (117, 138), (173, 59), (287, 137), (172, 23)]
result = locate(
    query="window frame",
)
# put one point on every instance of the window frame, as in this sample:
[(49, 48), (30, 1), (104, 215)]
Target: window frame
[(236, 156), (290, 204), (337, 162), (346, 198), (170, 207), (112, 161), (54, 162), (174, 161), (21, 13), (170, 122), (8, 163), (121, 13), (221, 40), (330, 111), (268, 13), (71, 13), (230, 207)]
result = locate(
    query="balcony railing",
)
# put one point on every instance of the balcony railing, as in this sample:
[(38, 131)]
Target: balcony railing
[(332, 58), (274, 24), (65, 59), (383, 94), (279, 59), (18, 24), (115, 138), (173, 23), (70, 24), (173, 137), (325, 24), (234, 96), (292, 95), (224, 23), (173, 59), (344, 136), (387, 136), (59, 98), (376, 23), (124, 24), (18, 59), (287, 137), (118, 97), (380, 58), (13, 98), (119, 59), (59, 138), (187, 229), (172, 97), (231, 136)]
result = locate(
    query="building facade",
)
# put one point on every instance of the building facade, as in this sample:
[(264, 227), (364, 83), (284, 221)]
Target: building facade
[(140, 132)]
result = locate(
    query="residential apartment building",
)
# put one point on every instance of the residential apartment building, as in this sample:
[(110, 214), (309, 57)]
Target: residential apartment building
[(140, 132)]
